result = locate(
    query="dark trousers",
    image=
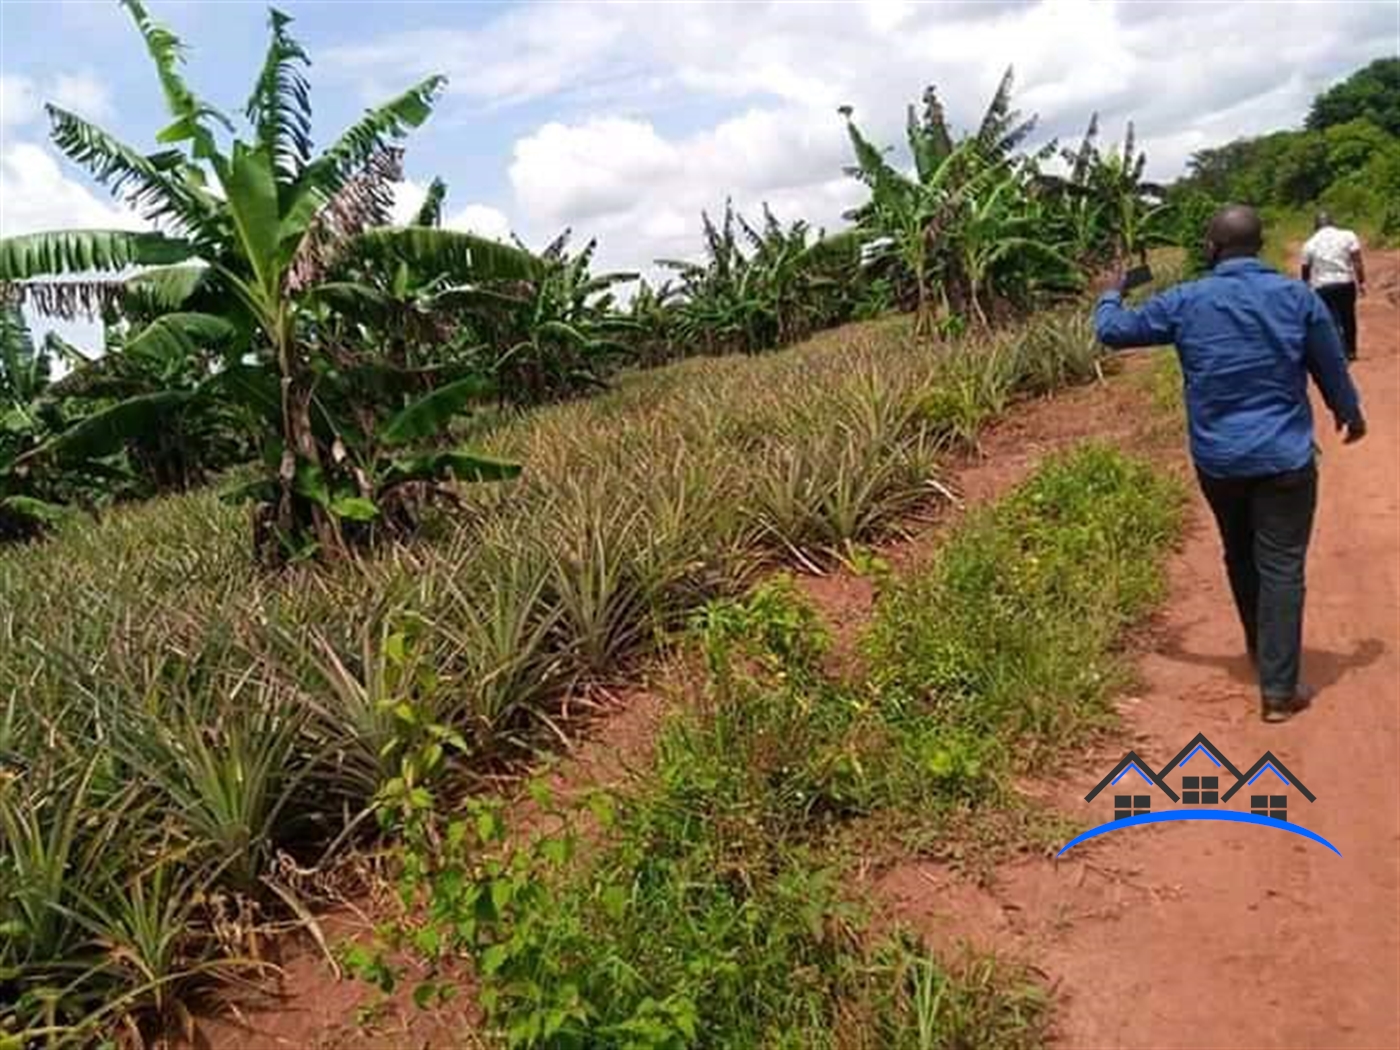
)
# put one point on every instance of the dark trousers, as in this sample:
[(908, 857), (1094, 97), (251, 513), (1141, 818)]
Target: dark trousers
[(1265, 524), (1341, 301)]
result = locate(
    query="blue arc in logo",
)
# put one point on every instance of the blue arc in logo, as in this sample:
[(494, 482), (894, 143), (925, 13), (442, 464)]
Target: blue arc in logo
[(1197, 814)]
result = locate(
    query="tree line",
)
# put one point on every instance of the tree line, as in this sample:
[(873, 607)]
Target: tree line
[(1345, 158)]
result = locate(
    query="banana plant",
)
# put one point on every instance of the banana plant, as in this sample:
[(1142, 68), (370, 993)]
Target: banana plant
[(412, 306), (266, 220), (779, 288), (796, 279), (652, 314), (556, 334), (919, 219), (136, 394), (27, 506), (714, 301), (394, 478), (1111, 213), (1004, 248)]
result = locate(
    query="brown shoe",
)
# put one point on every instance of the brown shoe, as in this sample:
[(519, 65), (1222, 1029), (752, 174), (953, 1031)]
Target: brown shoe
[(1276, 710)]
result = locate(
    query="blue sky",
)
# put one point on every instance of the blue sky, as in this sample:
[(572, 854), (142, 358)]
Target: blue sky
[(625, 120)]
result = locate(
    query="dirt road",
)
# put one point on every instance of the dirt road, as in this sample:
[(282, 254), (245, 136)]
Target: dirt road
[(1233, 935)]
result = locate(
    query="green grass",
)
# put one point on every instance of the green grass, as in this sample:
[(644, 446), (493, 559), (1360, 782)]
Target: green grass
[(223, 721), (1005, 649), (710, 905)]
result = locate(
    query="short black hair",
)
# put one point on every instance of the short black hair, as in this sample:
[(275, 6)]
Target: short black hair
[(1236, 229)]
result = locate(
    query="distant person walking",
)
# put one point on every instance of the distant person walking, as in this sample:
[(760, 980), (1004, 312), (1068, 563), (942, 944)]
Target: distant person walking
[(1333, 266), (1248, 338)]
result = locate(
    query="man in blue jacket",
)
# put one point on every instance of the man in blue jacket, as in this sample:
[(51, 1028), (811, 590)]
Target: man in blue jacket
[(1248, 338)]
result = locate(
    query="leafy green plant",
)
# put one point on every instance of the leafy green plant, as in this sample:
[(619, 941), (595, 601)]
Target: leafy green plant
[(24, 377), (759, 287), (1010, 633), (558, 333)]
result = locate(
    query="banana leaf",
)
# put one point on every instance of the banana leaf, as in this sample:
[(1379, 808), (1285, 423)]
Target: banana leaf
[(249, 386), (430, 414), (108, 431), (37, 511), (262, 490)]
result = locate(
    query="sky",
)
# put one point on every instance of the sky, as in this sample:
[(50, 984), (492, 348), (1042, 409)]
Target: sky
[(623, 121)]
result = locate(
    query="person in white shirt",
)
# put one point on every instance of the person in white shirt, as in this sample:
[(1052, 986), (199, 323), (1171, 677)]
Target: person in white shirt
[(1333, 267)]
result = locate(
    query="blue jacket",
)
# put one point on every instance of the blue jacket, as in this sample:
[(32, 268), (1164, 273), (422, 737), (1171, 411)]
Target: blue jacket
[(1248, 338)]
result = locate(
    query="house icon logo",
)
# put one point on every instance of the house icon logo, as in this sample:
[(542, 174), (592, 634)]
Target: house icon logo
[(1200, 783)]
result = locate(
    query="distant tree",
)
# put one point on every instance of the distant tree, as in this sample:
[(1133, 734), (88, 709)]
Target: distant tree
[(1191, 212), (1300, 170), (1242, 170), (1351, 146), (1372, 93), (1212, 169)]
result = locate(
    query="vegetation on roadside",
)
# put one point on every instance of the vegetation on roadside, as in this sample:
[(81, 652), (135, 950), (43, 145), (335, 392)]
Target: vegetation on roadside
[(1006, 646), (711, 904)]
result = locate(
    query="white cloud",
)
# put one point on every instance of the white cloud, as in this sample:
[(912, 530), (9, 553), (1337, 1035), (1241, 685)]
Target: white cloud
[(18, 102), (408, 198), (590, 169), (22, 98), (642, 194), (82, 93), (480, 219), (36, 195), (526, 53), (474, 218), (614, 161)]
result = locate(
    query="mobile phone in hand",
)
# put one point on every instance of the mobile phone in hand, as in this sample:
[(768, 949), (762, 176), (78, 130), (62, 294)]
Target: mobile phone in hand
[(1137, 277)]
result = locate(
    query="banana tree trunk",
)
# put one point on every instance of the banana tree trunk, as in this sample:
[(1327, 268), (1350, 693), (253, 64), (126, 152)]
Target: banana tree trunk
[(923, 311), (297, 515), (976, 280), (978, 313)]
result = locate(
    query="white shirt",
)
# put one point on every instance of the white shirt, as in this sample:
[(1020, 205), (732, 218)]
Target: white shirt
[(1328, 255)]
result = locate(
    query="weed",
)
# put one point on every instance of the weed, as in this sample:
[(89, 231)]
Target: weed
[(1007, 638)]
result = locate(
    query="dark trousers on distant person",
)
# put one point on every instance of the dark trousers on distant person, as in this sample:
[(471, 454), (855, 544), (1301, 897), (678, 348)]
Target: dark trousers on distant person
[(1341, 301), (1265, 524)]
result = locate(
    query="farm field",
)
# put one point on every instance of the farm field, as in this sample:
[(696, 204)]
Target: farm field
[(1073, 922), (410, 636)]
